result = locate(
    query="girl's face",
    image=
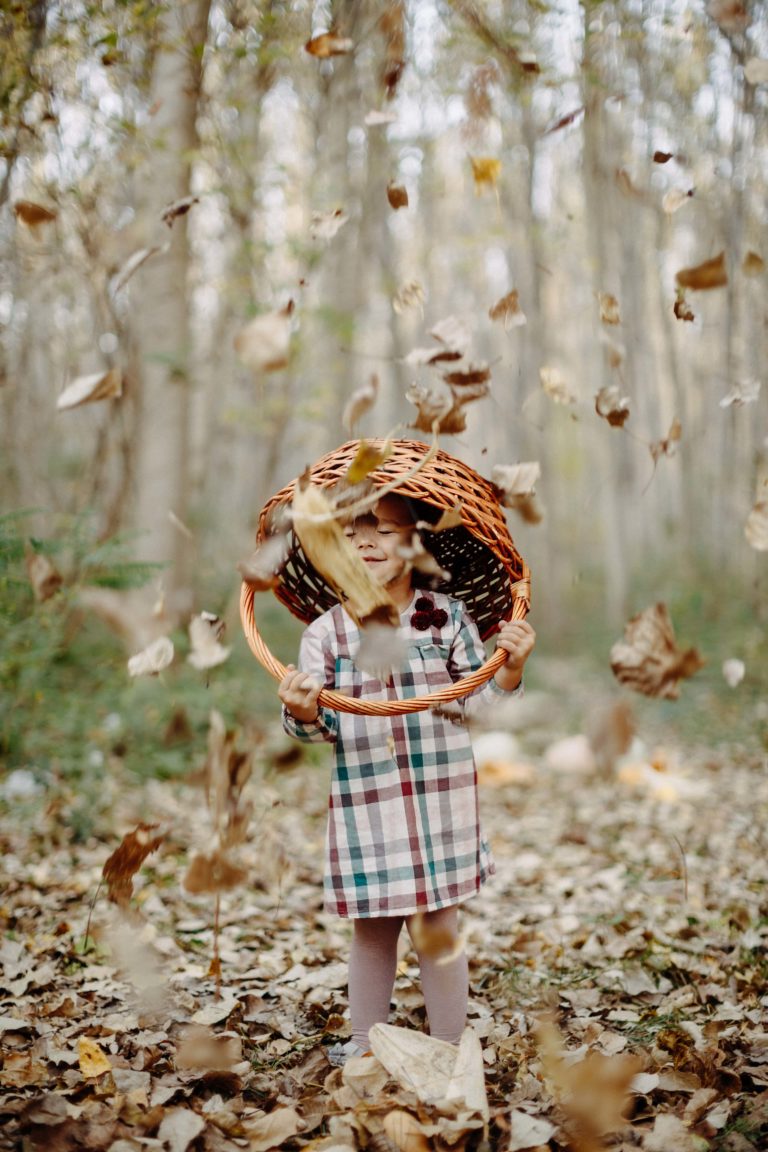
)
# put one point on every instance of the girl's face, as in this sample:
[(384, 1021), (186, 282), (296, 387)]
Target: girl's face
[(379, 537)]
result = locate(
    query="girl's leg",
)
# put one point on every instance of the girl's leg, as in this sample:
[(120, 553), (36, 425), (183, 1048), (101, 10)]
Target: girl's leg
[(372, 968), (445, 985)]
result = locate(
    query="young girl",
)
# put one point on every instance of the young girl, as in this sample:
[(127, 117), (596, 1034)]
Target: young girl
[(403, 837)]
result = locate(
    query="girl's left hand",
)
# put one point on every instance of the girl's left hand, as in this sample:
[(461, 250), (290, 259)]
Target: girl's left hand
[(517, 638)]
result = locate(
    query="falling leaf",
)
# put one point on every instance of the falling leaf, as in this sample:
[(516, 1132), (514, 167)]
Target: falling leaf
[(449, 518), (44, 576), (730, 15), (367, 459), (564, 121), (132, 264), (178, 208), (262, 568), (212, 872), (711, 274), (360, 402), (337, 560), (756, 527), (612, 406), (682, 308), (666, 447), (733, 672), (419, 356), (674, 200), (454, 333), (382, 652), (263, 344), (472, 374), (660, 157), (743, 392), (753, 264), (33, 214), (515, 486), (435, 941), (417, 557), (410, 295), (89, 389), (325, 225), (92, 1060), (485, 171), (125, 861), (553, 383), (205, 632), (374, 118), (328, 44), (626, 185), (397, 194), (756, 70), (648, 659), (152, 659), (437, 407), (200, 1047), (391, 25), (609, 308), (508, 309)]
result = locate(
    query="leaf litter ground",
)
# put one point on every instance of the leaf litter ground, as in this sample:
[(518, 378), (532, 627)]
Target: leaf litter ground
[(618, 969)]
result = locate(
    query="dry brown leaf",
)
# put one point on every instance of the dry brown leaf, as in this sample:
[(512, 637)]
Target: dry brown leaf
[(211, 873), (328, 44), (564, 121), (391, 25), (132, 264), (660, 157), (405, 1131), (200, 1047), (262, 568), (205, 633), (648, 660), (409, 295), (437, 407), (397, 194), (153, 659), (711, 274), (612, 406), (508, 309), (486, 171), (32, 214), (177, 208), (753, 264), (512, 481), (337, 560), (528, 1132), (325, 225), (92, 1060), (553, 383), (88, 389), (609, 308), (264, 342), (44, 576), (360, 402), (125, 861), (666, 447), (756, 527), (466, 377), (682, 308), (273, 1129), (730, 15)]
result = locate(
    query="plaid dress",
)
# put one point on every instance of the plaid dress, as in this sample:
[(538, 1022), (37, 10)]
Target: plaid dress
[(403, 830)]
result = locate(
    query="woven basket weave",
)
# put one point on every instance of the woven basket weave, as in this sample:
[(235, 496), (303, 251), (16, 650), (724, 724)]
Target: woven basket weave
[(486, 570)]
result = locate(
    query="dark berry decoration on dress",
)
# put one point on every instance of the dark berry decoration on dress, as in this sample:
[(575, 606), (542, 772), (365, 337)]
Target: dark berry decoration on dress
[(427, 616)]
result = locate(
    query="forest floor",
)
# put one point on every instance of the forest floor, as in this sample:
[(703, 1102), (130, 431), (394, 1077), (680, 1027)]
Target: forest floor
[(618, 967)]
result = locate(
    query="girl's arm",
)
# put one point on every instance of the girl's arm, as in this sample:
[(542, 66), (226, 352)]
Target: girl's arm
[(299, 690)]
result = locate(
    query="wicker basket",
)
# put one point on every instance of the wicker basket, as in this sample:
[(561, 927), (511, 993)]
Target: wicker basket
[(487, 571)]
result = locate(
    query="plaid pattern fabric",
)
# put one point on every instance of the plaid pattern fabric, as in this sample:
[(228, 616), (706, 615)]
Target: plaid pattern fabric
[(403, 827)]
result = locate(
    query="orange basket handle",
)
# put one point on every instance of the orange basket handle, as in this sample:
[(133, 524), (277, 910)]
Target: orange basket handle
[(329, 698)]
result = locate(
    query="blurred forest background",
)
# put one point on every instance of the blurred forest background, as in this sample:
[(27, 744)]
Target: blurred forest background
[(220, 220)]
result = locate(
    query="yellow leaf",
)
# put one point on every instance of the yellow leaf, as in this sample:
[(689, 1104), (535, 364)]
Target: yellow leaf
[(92, 1060), (367, 459), (609, 308), (486, 171), (753, 264)]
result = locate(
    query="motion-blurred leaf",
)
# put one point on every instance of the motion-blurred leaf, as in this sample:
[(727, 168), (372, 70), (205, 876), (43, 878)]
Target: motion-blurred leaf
[(711, 274), (263, 344), (360, 402), (486, 171), (88, 389), (609, 308), (152, 659), (554, 384), (125, 861), (509, 311), (397, 194), (328, 44), (612, 406), (205, 633), (648, 660)]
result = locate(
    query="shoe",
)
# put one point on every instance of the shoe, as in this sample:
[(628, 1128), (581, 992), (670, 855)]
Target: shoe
[(340, 1053)]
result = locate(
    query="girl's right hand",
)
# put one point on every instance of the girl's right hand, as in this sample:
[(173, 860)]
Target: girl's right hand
[(299, 692)]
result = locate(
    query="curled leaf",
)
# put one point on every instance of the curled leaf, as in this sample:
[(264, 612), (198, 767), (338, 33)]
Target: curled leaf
[(325, 225), (367, 459), (205, 632), (178, 208), (711, 274), (89, 389), (152, 659), (125, 861), (263, 566), (666, 447), (609, 308), (211, 873), (471, 374), (132, 264), (682, 308), (360, 402), (612, 406), (32, 214), (648, 660), (437, 408)]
